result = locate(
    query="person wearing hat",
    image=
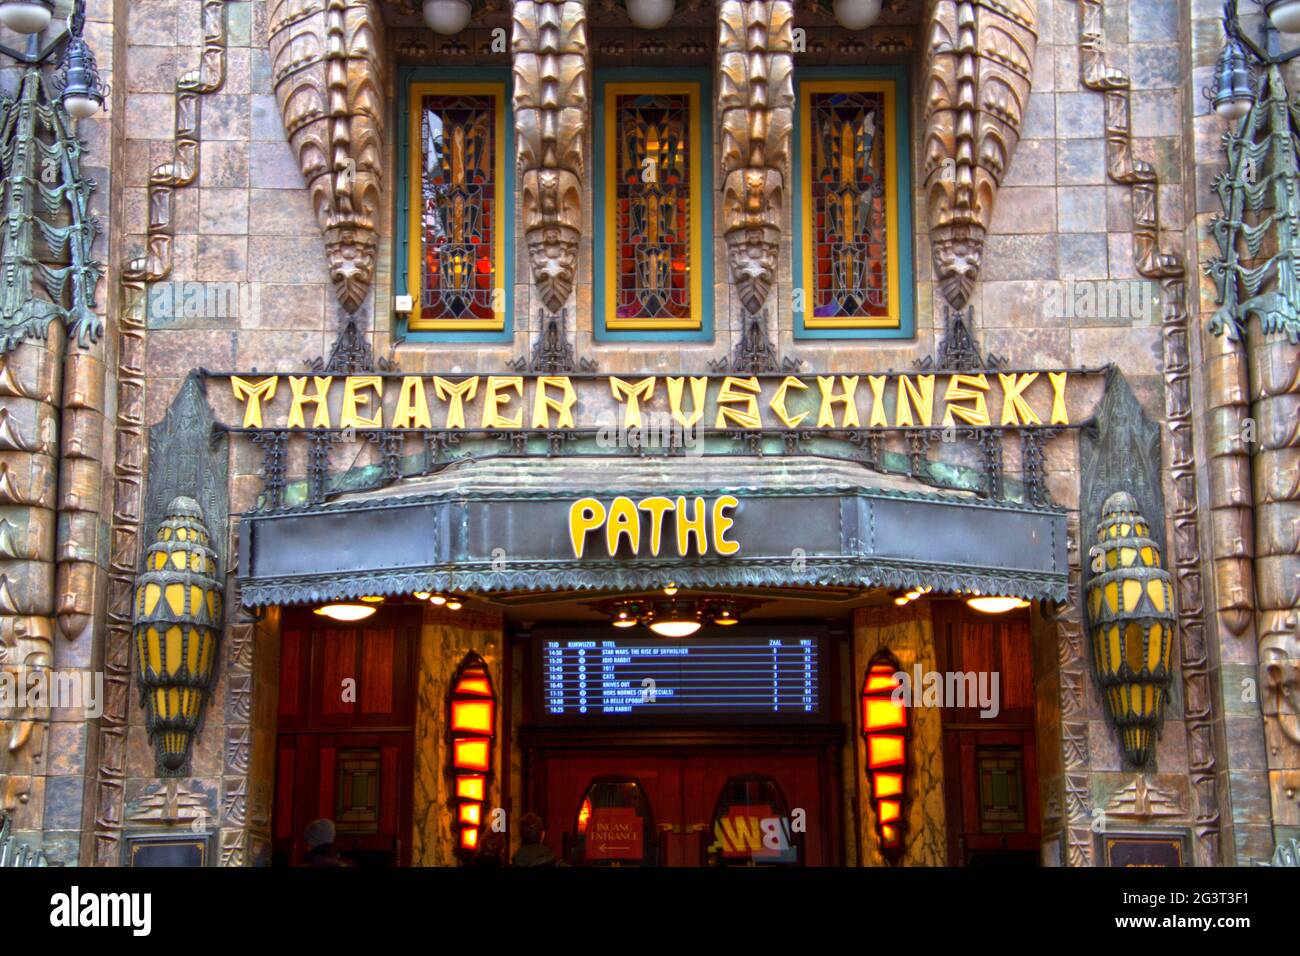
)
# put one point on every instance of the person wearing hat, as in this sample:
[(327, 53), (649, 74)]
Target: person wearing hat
[(320, 845)]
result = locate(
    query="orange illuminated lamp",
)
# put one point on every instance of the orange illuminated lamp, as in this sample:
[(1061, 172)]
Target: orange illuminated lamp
[(471, 726), (884, 725)]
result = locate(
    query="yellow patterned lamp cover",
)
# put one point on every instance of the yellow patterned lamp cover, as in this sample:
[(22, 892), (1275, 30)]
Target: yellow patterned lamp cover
[(1131, 620), (177, 623)]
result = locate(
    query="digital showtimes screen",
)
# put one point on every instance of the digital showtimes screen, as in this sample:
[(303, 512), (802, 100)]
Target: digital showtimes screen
[(644, 680)]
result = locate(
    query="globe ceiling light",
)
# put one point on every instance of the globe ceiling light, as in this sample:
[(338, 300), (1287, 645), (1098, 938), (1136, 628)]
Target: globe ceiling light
[(650, 14), (1233, 92), (26, 16), (996, 604), (856, 14), (675, 618), (447, 16), (1284, 14), (347, 613)]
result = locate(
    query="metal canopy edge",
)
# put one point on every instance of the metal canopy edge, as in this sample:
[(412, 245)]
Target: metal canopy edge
[(495, 541)]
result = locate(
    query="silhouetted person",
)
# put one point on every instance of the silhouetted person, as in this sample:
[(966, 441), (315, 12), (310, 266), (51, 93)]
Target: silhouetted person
[(320, 845), (534, 852), (490, 851)]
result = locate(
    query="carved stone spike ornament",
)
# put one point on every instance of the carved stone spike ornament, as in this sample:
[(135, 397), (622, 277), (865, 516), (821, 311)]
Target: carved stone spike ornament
[(325, 64), (756, 115), (549, 46), (980, 61)]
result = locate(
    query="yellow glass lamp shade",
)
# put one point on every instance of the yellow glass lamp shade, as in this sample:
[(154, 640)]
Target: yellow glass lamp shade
[(178, 619), (1130, 605)]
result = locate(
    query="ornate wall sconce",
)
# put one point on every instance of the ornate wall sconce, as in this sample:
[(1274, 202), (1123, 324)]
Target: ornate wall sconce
[(885, 727), (177, 625), (471, 706), (1131, 616)]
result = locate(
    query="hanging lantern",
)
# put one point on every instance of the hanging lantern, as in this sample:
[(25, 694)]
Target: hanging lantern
[(177, 623), (1131, 618), (472, 719), (1233, 92), (884, 725)]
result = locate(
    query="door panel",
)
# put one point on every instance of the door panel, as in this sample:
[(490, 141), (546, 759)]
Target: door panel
[(683, 793)]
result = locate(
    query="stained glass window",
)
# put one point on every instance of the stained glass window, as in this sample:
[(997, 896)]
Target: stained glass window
[(653, 196), (457, 215), (653, 204), (852, 223), (848, 205)]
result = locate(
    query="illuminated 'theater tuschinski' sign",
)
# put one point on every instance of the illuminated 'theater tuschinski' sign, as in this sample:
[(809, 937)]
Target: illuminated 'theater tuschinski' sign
[(997, 399)]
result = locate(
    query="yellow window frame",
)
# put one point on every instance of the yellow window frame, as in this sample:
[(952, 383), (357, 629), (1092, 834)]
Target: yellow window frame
[(610, 304), (894, 273), (415, 175)]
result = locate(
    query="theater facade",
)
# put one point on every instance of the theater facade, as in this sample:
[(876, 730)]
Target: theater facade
[(755, 433)]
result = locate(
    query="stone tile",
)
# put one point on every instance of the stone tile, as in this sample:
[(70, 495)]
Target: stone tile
[(151, 69), (1156, 113), (273, 166), (223, 164), (1154, 20), (1081, 209), (293, 306), (1040, 117), (223, 211), (173, 353), (1081, 162), (1082, 255), (266, 126), (1024, 210), (1019, 257), (1034, 164), (151, 23), (224, 118), (64, 799), (1080, 115), (285, 259), (149, 116), (1156, 66), (222, 258), (277, 212)]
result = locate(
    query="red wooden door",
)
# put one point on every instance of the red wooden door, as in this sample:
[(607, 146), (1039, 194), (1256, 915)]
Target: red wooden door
[(345, 741), (702, 809), (990, 759)]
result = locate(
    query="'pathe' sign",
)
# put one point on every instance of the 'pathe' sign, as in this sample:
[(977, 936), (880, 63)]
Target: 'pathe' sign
[(693, 520), (1011, 399)]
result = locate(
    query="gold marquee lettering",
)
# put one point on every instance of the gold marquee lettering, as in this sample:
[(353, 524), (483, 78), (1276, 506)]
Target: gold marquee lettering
[(562, 402), (694, 518)]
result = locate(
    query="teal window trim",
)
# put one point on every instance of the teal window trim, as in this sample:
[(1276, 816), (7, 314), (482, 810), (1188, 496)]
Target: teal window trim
[(406, 76), (902, 156), (600, 214)]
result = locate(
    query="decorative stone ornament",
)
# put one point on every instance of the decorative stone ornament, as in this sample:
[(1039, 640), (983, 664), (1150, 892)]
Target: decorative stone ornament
[(549, 45), (756, 116), (177, 624), (325, 65), (1131, 616), (981, 60)]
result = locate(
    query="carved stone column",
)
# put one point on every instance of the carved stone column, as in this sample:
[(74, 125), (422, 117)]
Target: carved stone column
[(980, 61), (551, 104), (755, 90)]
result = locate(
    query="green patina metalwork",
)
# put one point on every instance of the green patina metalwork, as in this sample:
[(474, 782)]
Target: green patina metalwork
[(47, 230), (1260, 194), (942, 476)]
